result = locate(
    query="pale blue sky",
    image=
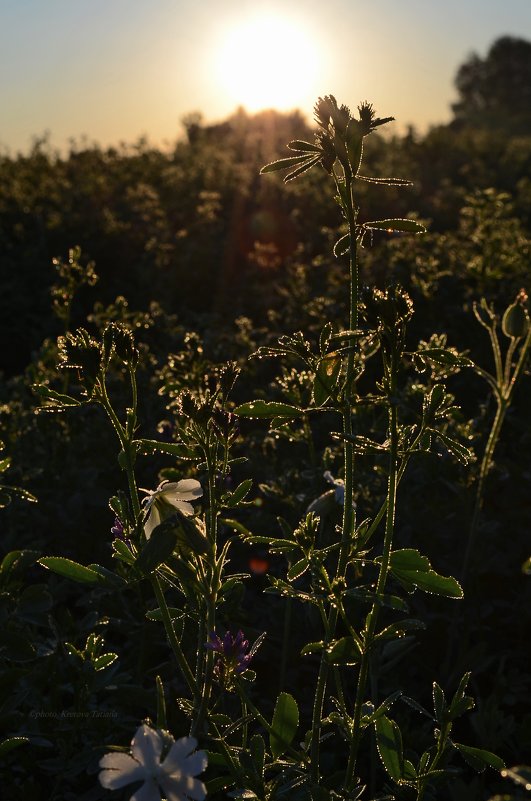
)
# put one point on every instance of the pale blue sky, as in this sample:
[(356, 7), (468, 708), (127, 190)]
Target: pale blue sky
[(117, 69)]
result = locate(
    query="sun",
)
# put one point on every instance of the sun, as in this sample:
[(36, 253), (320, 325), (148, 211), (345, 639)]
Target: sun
[(266, 61)]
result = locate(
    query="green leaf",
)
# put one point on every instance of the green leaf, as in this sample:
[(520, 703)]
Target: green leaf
[(391, 601), (284, 724), (461, 452), (342, 246), (312, 648), (10, 743), (122, 552), (161, 704), (257, 747), (305, 147), (354, 142), (344, 651), (148, 447), (69, 569), (400, 628), (157, 549), (156, 614), (298, 569), (479, 759), (385, 181), (445, 356), (103, 661), (282, 164), (261, 409), (389, 742), (58, 398), (17, 561), (303, 168), (239, 493), (439, 704), (400, 225), (414, 570), (326, 376)]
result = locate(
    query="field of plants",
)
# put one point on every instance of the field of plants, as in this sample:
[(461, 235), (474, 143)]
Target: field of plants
[(264, 411)]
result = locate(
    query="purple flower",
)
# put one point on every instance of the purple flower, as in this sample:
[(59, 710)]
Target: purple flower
[(234, 655), (118, 529)]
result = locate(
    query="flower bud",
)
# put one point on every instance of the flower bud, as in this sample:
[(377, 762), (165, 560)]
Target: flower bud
[(515, 322)]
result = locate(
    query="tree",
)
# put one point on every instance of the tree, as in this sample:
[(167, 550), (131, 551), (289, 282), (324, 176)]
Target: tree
[(496, 91)]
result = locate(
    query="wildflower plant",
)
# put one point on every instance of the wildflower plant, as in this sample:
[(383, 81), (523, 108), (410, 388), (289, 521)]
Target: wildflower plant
[(356, 581)]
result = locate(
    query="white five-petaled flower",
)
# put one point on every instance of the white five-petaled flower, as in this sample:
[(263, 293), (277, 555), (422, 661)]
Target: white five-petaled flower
[(175, 493), (174, 776)]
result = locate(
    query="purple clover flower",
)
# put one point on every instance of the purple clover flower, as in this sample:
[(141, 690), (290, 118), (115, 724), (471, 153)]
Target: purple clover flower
[(117, 529), (234, 656)]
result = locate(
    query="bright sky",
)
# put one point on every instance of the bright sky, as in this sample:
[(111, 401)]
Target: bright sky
[(118, 69)]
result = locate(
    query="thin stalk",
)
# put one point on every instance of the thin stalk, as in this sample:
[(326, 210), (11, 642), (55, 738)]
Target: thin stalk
[(372, 617), (348, 525), (172, 638), (505, 389), (210, 595), (126, 445), (484, 470), (285, 643)]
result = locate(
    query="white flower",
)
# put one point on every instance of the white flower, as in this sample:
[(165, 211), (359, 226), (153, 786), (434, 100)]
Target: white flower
[(174, 776), (176, 494)]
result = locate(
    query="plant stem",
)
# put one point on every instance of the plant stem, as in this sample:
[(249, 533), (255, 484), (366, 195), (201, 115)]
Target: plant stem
[(210, 596), (348, 525), (372, 617)]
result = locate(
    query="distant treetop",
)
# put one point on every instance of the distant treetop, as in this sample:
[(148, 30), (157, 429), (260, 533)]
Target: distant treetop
[(495, 91)]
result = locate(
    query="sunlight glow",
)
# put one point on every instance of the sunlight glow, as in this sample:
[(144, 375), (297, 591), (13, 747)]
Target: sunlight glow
[(266, 62)]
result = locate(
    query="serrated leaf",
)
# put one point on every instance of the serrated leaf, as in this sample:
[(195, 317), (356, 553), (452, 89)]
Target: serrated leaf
[(413, 569), (399, 225), (284, 724), (479, 759), (260, 409), (389, 742)]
